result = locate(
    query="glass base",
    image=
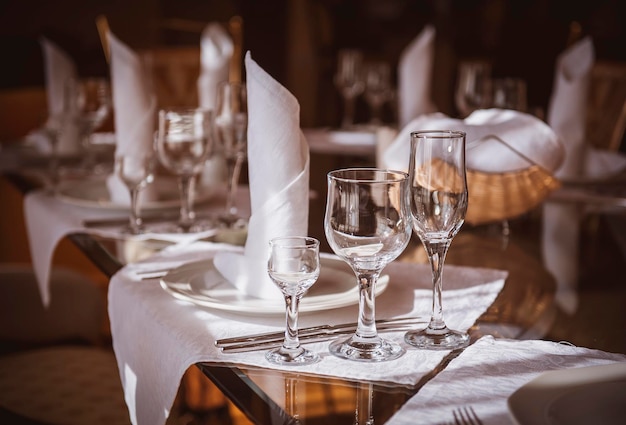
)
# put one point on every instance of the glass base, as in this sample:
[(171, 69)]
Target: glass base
[(437, 339), (366, 349), (296, 357), (198, 226)]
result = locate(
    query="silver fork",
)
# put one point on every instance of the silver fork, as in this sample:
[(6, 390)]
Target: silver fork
[(466, 416)]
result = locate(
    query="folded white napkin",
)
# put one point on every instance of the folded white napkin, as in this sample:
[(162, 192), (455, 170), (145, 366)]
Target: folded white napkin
[(216, 51), (59, 68), (487, 373), (181, 334), (278, 169), (414, 77), (134, 107), (48, 219), (528, 139)]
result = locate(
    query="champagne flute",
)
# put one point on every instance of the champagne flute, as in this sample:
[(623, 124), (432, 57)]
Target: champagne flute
[(438, 196), (136, 172), (184, 141), (294, 266), (367, 224), (349, 82), (231, 126)]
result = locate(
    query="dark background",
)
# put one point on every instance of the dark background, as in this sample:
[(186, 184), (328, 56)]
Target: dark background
[(522, 37)]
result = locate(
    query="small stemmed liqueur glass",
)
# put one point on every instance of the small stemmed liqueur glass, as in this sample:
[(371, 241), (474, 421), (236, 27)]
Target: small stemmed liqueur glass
[(294, 266), (368, 224), (136, 172), (231, 127), (184, 141), (438, 203), (349, 82)]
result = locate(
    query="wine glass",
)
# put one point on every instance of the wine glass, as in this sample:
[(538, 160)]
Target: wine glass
[(438, 203), (136, 172), (231, 126), (473, 90), (367, 224), (184, 141), (509, 93), (349, 82), (294, 266), (378, 89), (88, 104)]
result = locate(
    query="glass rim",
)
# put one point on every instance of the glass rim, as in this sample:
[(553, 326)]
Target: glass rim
[(305, 241), (394, 175), (438, 134)]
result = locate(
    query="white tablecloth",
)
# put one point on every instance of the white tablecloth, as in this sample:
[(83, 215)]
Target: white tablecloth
[(156, 337)]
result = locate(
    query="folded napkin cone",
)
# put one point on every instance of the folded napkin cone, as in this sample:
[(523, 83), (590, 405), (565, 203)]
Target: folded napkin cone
[(134, 107), (278, 170)]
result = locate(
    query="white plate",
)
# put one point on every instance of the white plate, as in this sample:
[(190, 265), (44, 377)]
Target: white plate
[(586, 395), (200, 283), (95, 194)]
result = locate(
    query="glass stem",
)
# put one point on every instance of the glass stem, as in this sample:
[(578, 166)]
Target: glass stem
[(186, 202), (348, 112), (366, 327), (291, 331), (234, 170), (437, 251), (135, 219)]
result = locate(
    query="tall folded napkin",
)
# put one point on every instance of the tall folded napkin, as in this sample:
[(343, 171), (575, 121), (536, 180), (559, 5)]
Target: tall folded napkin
[(527, 140), (278, 169), (181, 334), (216, 51), (59, 68), (487, 373), (134, 107), (415, 77)]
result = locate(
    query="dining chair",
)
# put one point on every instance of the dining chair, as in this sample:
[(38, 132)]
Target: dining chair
[(56, 366)]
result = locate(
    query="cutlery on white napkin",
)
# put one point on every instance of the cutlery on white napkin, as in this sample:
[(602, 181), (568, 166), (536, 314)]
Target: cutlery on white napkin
[(415, 77), (487, 373), (59, 68), (278, 169), (134, 107), (527, 139)]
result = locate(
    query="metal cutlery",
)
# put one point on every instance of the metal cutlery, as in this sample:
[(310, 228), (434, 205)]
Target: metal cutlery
[(466, 416), (310, 334)]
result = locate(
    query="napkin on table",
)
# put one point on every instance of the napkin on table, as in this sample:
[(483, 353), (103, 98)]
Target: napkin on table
[(134, 107), (278, 169), (414, 77), (59, 68), (487, 373), (527, 137), (181, 334), (216, 51)]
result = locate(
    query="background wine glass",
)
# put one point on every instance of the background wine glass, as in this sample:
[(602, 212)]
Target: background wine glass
[(509, 93), (367, 224), (88, 103), (231, 127), (438, 196), (473, 89), (378, 89), (294, 266), (183, 143), (349, 82), (136, 172)]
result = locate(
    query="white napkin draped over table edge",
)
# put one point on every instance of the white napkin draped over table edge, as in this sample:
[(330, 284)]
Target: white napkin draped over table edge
[(487, 373), (278, 169), (415, 69), (134, 108), (49, 219), (179, 334)]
